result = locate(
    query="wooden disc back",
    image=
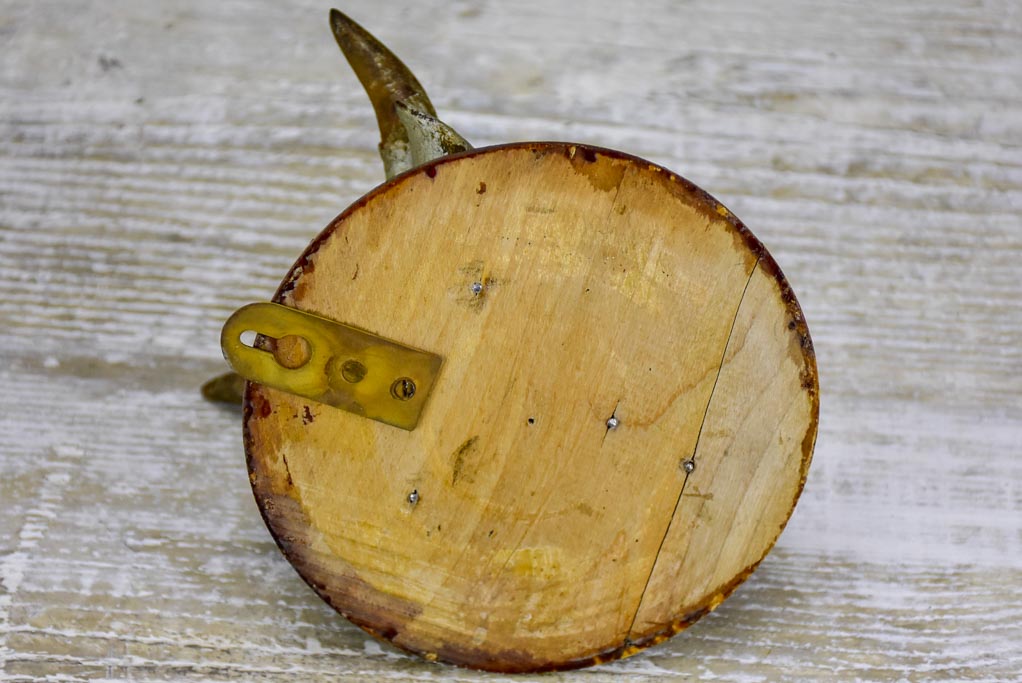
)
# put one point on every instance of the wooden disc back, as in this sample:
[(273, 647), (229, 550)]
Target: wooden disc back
[(539, 538)]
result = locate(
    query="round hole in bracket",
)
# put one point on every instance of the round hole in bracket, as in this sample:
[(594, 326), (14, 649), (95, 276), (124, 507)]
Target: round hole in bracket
[(248, 338)]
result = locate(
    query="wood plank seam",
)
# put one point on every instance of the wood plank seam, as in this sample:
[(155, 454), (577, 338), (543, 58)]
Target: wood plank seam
[(695, 449)]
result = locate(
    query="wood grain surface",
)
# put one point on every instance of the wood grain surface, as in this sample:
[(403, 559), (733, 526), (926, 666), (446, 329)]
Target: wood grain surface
[(537, 538), (163, 163)]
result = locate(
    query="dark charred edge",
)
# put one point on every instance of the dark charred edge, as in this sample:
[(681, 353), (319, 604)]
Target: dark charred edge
[(513, 662), (718, 596), (810, 377), (517, 662), (520, 662), (254, 475), (707, 202), (376, 620), (714, 600), (384, 619)]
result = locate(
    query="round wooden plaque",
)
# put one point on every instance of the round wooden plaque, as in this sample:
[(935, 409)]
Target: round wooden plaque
[(622, 425)]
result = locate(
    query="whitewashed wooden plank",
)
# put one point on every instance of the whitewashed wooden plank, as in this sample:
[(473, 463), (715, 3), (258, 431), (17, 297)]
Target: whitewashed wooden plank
[(161, 164)]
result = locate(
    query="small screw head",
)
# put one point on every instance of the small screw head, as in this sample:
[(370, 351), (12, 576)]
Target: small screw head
[(476, 287), (689, 466), (353, 372), (292, 351), (612, 422), (402, 389), (413, 497)]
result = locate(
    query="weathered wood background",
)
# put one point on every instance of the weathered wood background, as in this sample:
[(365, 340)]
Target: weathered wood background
[(162, 163)]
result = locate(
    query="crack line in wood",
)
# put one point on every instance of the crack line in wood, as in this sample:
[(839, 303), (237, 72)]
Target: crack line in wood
[(695, 449), (613, 416)]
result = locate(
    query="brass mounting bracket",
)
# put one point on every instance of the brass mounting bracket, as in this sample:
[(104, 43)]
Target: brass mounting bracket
[(330, 362)]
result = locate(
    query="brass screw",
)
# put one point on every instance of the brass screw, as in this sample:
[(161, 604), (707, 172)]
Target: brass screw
[(402, 389), (353, 372), (292, 351)]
